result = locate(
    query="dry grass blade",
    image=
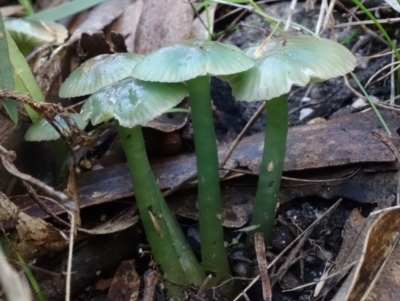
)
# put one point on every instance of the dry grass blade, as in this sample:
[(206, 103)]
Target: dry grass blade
[(11, 283)]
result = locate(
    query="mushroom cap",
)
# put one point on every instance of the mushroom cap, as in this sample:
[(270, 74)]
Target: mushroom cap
[(43, 130), (286, 61), (98, 72), (190, 59), (132, 102), (34, 32)]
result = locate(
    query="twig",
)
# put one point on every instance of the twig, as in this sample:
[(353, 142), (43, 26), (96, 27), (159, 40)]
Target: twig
[(291, 12), (328, 14), (320, 17), (70, 251), (392, 80)]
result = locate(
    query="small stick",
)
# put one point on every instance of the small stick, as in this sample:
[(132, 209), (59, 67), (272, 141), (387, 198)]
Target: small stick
[(291, 12), (72, 192), (69, 260), (263, 266), (392, 80)]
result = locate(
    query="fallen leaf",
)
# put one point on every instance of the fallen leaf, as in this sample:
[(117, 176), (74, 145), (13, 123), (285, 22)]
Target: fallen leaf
[(162, 23), (36, 237), (126, 283)]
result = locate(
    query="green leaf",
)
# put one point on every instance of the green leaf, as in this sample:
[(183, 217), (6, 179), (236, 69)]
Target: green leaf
[(27, 4), (24, 80), (64, 10), (6, 71), (31, 278), (11, 108)]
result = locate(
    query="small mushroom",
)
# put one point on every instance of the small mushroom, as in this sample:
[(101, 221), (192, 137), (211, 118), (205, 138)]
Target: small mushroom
[(44, 131), (28, 34), (194, 61), (98, 72), (281, 63), (131, 103)]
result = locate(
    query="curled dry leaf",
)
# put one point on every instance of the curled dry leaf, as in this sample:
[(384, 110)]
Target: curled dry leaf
[(36, 237), (378, 250)]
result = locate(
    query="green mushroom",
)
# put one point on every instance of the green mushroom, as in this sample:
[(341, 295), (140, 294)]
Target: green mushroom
[(279, 64), (98, 72), (44, 131), (131, 103), (194, 61)]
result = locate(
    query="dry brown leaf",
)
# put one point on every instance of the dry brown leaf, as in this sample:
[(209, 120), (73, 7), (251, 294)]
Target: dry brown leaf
[(380, 241), (99, 17), (127, 23), (11, 10), (126, 283), (36, 237), (162, 23)]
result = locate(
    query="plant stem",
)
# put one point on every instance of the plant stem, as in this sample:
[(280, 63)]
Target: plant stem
[(169, 246), (213, 253), (271, 167)]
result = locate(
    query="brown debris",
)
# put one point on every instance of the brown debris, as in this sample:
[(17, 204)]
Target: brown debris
[(159, 25), (126, 283), (150, 283), (36, 237), (263, 266)]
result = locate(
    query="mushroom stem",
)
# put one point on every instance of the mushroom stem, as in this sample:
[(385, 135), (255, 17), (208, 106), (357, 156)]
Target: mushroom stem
[(271, 166), (213, 253), (169, 246)]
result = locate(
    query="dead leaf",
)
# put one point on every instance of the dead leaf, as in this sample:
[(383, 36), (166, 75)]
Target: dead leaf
[(127, 23), (36, 237), (126, 283), (162, 23), (99, 17), (381, 238), (11, 10)]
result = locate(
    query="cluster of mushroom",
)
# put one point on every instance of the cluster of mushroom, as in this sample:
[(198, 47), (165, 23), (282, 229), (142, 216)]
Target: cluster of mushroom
[(133, 90)]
